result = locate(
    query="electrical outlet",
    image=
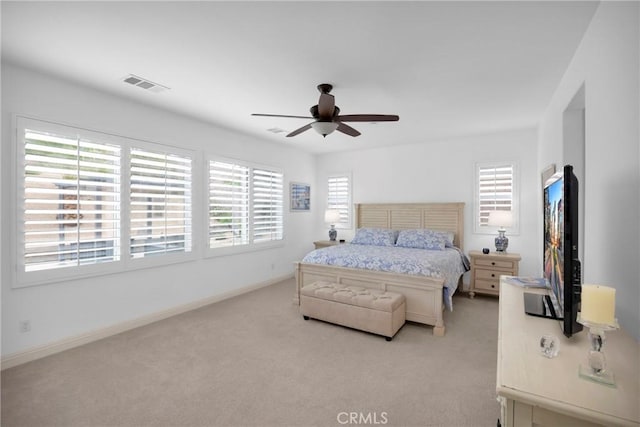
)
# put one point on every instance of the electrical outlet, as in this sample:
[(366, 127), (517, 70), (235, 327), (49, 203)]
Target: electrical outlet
[(25, 326)]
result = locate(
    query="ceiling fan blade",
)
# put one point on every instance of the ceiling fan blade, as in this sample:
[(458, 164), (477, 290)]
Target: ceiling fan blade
[(281, 115), (300, 130), (368, 118), (347, 129), (326, 106)]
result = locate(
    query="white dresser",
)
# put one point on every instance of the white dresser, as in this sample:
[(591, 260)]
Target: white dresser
[(537, 391)]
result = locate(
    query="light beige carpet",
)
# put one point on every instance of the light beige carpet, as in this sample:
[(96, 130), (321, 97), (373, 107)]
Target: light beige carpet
[(253, 361)]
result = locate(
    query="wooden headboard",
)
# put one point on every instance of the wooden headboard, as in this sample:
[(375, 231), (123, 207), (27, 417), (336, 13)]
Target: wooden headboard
[(403, 216)]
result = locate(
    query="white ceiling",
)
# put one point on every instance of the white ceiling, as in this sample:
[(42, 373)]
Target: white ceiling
[(446, 68)]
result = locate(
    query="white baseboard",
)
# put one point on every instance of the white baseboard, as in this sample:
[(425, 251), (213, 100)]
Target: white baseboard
[(39, 352)]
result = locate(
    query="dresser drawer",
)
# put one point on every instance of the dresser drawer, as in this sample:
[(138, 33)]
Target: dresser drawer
[(506, 264), (487, 285), (487, 274)]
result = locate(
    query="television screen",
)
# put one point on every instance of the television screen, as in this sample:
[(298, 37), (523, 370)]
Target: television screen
[(561, 265), (554, 241), (560, 258)]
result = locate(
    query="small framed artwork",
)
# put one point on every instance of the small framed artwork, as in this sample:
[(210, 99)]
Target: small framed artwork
[(548, 173), (300, 197)]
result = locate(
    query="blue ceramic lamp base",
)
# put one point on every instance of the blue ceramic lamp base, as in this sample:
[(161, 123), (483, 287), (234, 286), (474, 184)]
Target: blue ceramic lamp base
[(502, 242)]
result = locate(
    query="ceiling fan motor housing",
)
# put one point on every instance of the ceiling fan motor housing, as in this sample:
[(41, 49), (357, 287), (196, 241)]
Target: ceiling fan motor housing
[(316, 115)]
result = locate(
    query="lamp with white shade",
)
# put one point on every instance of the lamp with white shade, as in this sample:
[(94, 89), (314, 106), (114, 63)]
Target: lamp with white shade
[(324, 128), (332, 216), (501, 219)]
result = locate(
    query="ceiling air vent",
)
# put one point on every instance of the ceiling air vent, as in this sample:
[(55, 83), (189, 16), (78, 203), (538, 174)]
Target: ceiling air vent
[(144, 83), (276, 130)]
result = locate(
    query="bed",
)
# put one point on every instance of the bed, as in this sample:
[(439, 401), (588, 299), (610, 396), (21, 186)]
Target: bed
[(425, 294)]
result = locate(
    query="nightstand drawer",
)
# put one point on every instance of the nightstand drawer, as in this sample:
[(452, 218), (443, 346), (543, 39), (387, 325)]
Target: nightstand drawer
[(487, 274), (494, 263), (487, 285)]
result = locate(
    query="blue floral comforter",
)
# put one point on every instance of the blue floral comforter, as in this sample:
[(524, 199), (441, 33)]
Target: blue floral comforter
[(449, 264)]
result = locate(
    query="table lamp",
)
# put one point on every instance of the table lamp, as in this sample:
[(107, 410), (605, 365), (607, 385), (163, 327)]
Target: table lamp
[(501, 219), (332, 216)]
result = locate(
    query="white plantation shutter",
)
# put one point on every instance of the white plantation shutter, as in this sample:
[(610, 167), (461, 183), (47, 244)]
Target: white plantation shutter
[(267, 205), (228, 204), (71, 200), (160, 203), (495, 191), (339, 198)]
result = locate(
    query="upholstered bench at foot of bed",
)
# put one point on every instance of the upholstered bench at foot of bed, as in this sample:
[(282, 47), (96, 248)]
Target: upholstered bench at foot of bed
[(370, 310)]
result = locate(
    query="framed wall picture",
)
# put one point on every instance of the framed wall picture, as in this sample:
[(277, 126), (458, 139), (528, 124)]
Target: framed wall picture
[(300, 197)]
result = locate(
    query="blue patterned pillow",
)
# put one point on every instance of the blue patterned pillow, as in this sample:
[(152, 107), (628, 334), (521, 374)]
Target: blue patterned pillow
[(448, 237), (422, 239), (374, 237)]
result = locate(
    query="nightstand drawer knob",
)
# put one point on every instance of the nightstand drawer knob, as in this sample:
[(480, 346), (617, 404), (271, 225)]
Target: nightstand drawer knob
[(493, 275), (493, 286), (493, 263)]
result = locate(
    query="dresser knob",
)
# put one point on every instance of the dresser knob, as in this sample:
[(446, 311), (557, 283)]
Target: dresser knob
[(493, 286), (493, 275), (493, 263)]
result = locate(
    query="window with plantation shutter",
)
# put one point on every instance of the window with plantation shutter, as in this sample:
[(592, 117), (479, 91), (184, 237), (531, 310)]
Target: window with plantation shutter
[(495, 190), (159, 203), (267, 205), (245, 206), (73, 220), (71, 194), (339, 198), (228, 204)]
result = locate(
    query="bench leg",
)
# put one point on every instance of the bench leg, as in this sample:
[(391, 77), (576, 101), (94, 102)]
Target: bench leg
[(387, 338), (305, 317)]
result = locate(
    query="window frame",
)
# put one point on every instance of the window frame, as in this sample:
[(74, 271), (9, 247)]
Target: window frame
[(166, 150), (347, 223), (250, 246), (514, 229), (124, 263), (246, 217)]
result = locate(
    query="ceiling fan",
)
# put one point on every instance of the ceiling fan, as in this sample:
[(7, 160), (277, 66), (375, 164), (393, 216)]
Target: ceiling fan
[(327, 116)]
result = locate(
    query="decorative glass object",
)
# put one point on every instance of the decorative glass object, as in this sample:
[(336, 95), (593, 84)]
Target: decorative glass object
[(549, 346), (596, 368)]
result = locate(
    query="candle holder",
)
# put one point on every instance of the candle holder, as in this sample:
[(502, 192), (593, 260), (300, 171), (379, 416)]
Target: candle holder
[(596, 369)]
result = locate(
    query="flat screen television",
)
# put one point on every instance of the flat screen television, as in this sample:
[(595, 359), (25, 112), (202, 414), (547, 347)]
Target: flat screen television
[(562, 267)]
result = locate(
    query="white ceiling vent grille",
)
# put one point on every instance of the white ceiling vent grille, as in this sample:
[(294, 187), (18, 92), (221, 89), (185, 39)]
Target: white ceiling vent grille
[(144, 83), (276, 130)]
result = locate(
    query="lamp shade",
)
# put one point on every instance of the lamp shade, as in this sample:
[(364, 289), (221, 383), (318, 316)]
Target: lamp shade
[(324, 128), (331, 216), (500, 219)]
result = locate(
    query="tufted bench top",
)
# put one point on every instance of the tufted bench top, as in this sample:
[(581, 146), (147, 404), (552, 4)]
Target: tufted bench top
[(354, 295)]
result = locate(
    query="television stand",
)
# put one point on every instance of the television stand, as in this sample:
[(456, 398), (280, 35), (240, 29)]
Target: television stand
[(535, 390)]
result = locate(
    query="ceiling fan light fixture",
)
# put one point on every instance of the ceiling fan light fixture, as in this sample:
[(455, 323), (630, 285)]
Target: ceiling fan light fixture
[(324, 128)]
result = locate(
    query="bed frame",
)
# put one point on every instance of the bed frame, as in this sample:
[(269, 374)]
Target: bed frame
[(423, 294)]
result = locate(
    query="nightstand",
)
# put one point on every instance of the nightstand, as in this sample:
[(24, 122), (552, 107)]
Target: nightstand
[(487, 269), (324, 243)]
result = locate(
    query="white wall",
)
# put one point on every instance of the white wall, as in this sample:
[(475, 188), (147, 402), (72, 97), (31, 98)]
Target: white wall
[(61, 310), (443, 171), (607, 63)]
